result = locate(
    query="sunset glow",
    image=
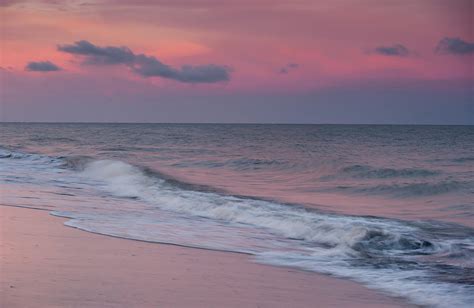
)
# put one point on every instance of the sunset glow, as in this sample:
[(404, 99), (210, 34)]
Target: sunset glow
[(369, 45)]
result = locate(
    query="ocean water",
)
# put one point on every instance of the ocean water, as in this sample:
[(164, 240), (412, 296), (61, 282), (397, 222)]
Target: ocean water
[(390, 207)]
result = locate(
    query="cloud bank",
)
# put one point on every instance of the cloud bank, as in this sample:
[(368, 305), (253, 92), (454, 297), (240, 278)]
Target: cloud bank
[(42, 66), (454, 46), (145, 65)]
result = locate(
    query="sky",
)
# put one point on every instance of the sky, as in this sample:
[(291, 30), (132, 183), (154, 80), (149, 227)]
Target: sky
[(237, 61)]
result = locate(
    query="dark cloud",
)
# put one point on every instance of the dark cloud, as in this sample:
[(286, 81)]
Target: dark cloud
[(149, 66), (396, 50), (42, 66), (99, 55), (144, 65), (287, 68), (454, 46)]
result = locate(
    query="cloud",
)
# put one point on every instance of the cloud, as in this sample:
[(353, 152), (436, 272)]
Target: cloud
[(287, 68), (149, 66), (454, 46), (144, 65), (42, 66), (396, 50), (99, 55)]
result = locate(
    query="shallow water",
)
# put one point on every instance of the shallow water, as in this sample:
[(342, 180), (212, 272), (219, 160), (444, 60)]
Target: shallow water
[(389, 206)]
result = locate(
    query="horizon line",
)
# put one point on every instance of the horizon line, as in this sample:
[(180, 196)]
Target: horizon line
[(232, 123)]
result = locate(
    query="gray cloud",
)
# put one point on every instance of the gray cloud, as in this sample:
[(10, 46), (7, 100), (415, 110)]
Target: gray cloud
[(396, 50), (454, 46), (287, 68), (99, 55), (42, 66), (149, 66), (144, 65)]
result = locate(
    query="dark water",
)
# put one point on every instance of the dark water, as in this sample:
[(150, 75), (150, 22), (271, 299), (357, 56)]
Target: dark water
[(389, 206)]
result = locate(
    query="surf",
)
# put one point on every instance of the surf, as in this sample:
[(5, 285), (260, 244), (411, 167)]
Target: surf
[(427, 262)]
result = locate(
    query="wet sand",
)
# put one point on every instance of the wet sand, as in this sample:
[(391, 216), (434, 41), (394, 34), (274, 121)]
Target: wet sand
[(46, 264)]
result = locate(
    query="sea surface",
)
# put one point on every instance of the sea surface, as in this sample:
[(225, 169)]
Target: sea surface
[(390, 207)]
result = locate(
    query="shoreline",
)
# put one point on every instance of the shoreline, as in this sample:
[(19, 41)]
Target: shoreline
[(44, 263)]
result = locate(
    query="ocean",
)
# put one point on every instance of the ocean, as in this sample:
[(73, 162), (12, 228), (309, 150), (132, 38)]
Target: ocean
[(388, 206)]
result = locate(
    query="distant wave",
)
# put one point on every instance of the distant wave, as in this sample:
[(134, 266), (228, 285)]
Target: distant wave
[(407, 189), (363, 171), (254, 163), (241, 164), (126, 148), (464, 159), (52, 139), (466, 210)]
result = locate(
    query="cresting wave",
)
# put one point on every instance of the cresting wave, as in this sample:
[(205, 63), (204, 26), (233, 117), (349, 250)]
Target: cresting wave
[(415, 260), (386, 254), (125, 180)]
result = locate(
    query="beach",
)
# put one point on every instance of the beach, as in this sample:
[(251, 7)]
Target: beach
[(46, 264)]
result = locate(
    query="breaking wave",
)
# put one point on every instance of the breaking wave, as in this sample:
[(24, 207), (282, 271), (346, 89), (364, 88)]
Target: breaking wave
[(382, 253)]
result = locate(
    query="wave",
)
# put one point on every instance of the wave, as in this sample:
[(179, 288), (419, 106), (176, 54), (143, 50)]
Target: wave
[(125, 180), (465, 210), (407, 190), (6, 153), (255, 164), (75, 162), (364, 171), (15, 155), (381, 253), (241, 164), (46, 139), (464, 159)]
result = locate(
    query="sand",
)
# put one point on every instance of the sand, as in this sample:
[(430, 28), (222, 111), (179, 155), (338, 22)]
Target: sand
[(46, 264)]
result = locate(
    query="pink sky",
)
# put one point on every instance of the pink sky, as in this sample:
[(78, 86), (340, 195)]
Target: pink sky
[(333, 43)]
